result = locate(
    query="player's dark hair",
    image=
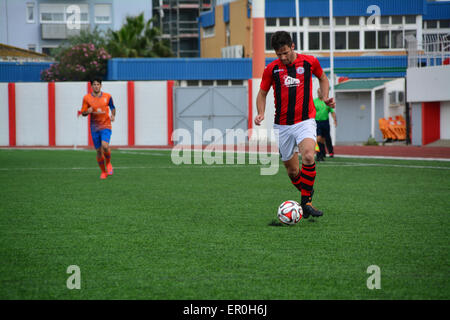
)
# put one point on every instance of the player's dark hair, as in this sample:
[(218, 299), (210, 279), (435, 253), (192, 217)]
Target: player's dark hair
[(99, 80), (280, 39)]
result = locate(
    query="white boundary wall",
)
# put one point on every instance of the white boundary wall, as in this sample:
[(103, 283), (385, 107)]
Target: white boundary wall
[(32, 113), (151, 113), (445, 120), (69, 130), (4, 111)]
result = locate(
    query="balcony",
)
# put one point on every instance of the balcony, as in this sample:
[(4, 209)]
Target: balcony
[(60, 31)]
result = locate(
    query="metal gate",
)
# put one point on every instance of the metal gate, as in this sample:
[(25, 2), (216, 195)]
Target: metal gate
[(206, 108)]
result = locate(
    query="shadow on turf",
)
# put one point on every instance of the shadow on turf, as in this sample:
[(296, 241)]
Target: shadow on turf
[(276, 223)]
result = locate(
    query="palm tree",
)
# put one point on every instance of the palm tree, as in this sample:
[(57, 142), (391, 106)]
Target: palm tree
[(137, 38)]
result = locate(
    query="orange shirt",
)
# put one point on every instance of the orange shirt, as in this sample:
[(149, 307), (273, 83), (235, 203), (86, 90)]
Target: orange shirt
[(100, 118)]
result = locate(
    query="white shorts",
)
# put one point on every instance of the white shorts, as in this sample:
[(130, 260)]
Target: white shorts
[(290, 136)]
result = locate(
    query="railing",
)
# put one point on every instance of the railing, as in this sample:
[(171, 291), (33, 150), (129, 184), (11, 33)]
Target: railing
[(433, 51)]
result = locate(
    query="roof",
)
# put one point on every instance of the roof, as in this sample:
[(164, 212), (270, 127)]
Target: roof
[(10, 52), (360, 85), (437, 11)]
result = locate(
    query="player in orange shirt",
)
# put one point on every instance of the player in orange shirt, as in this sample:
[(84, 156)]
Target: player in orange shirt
[(98, 104)]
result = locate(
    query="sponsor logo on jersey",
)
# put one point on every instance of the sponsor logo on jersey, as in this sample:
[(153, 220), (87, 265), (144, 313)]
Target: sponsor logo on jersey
[(291, 82)]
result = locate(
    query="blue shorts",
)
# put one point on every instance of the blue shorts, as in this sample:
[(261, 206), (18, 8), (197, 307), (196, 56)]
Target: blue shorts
[(99, 136)]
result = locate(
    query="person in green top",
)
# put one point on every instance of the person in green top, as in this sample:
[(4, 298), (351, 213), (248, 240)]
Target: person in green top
[(323, 127)]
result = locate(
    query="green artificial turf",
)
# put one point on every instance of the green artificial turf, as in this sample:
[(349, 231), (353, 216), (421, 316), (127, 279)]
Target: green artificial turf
[(156, 230)]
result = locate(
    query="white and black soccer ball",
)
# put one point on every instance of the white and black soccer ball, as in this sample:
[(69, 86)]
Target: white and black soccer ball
[(290, 212)]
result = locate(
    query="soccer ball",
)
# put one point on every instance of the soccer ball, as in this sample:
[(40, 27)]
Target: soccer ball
[(290, 212)]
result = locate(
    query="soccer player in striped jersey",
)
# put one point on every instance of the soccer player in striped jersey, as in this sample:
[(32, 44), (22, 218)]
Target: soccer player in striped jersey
[(98, 104), (290, 76)]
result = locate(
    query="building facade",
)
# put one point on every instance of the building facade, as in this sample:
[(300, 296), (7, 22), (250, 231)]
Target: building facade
[(39, 25), (361, 27), (178, 22)]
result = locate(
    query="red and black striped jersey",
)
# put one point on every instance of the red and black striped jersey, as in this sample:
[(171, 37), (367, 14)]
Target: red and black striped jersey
[(292, 86)]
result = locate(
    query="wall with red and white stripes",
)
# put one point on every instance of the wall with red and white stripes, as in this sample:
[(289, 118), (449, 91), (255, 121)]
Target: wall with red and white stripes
[(45, 114)]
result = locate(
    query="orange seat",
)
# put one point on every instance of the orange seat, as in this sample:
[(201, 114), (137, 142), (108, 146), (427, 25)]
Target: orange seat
[(388, 134)]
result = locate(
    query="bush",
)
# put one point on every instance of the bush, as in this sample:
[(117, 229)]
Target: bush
[(79, 63)]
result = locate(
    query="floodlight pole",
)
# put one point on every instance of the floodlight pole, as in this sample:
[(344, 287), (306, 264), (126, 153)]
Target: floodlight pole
[(297, 21), (331, 94)]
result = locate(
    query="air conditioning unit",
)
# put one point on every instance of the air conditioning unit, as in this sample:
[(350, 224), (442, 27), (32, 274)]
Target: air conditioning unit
[(233, 51), (396, 98)]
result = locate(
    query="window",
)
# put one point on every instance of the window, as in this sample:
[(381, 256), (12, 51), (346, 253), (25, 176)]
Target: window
[(268, 41), (314, 41), (207, 82), (30, 13), (60, 13), (397, 19), (444, 23), (47, 50), (192, 83), (271, 22), (326, 21), (222, 82), (284, 22), (32, 47), (370, 40), (396, 39), (294, 38), (383, 39), (384, 20), (102, 13), (208, 32), (408, 35), (353, 40), (431, 24), (353, 21), (410, 19), (313, 21), (340, 21), (325, 41), (340, 40)]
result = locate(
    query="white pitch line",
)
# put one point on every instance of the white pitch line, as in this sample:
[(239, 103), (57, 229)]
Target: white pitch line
[(390, 158), (215, 166), (353, 164)]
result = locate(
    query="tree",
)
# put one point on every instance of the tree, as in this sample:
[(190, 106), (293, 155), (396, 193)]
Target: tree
[(137, 38), (79, 63)]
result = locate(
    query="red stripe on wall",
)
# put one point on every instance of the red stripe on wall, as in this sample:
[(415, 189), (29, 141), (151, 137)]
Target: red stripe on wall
[(431, 122), (12, 113), (250, 104), (90, 143), (51, 114), (170, 85), (131, 131)]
